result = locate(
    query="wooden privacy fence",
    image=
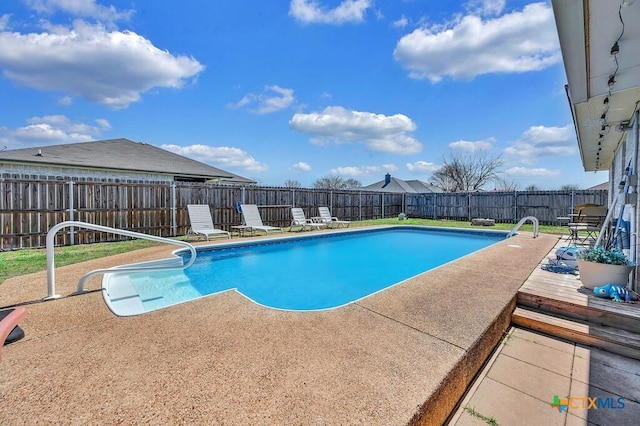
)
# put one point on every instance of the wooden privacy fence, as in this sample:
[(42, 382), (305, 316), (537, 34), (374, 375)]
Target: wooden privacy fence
[(506, 207), (30, 207)]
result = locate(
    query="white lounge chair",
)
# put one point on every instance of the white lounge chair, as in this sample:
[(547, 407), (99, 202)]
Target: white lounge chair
[(331, 221), (201, 222), (299, 219), (253, 220)]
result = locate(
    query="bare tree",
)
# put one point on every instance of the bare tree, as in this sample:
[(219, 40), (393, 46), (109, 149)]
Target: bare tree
[(532, 188), (504, 184), (336, 182), (290, 183), (467, 171), (569, 187), (352, 183)]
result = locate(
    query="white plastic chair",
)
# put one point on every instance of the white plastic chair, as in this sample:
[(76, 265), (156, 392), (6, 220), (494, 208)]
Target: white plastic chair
[(253, 220), (299, 219), (201, 222), (331, 221)]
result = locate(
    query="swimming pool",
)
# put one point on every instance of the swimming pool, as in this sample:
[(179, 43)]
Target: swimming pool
[(310, 272)]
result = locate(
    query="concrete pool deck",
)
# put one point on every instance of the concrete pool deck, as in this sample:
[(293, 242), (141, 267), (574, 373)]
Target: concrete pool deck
[(404, 355)]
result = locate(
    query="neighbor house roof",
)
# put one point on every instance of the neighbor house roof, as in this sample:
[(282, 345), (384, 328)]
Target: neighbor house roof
[(600, 186), (392, 184), (120, 154)]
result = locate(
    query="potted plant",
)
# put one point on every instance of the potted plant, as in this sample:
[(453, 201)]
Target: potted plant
[(599, 265)]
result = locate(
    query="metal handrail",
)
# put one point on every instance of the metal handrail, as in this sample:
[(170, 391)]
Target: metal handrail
[(51, 280), (533, 220)]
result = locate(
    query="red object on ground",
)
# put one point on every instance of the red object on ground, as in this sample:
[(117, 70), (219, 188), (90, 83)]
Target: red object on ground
[(10, 321)]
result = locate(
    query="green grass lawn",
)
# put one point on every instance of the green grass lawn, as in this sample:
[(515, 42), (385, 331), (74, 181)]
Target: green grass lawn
[(26, 261)]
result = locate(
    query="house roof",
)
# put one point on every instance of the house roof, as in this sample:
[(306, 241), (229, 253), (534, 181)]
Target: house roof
[(400, 186), (600, 186), (119, 154)]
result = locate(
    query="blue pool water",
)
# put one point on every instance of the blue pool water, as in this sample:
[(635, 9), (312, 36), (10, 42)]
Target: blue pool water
[(320, 271)]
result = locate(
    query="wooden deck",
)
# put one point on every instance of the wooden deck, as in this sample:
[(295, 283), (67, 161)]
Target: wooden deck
[(558, 305)]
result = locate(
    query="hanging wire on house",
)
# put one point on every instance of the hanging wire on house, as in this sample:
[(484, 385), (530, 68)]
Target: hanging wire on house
[(615, 50)]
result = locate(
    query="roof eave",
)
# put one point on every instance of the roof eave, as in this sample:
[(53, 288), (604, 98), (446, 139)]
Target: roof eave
[(599, 108)]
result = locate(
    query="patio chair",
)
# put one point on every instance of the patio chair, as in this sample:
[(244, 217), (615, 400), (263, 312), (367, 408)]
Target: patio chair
[(201, 222), (331, 221), (10, 331), (252, 219), (299, 219), (586, 223)]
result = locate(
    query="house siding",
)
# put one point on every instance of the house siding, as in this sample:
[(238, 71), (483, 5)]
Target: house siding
[(72, 172)]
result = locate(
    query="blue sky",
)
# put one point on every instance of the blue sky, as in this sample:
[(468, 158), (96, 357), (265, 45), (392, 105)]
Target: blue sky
[(296, 89)]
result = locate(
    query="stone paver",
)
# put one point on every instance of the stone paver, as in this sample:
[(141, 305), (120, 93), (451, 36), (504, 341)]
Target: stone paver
[(528, 370)]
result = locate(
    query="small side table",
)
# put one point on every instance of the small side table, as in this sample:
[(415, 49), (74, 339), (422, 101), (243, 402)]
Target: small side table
[(242, 230)]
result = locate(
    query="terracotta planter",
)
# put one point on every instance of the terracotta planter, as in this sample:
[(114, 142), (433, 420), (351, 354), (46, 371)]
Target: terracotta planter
[(596, 274)]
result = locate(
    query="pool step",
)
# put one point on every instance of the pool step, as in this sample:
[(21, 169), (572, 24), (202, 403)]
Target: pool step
[(612, 339), (120, 295)]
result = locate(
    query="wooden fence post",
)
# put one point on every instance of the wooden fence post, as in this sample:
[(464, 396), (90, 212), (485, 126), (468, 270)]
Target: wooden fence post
[(174, 219), (573, 201), (435, 202), (72, 230)]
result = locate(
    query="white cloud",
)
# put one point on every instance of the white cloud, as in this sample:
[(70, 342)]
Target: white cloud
[(4, 22), (486, 7), (102, 123), (532, 172), (513, 43), (541, 141), (356, 171), (422, 167), (379, 132), (51, 130), (222, 156), (79, 8), (112, 68), (65, 101), (311, 12), (301, 167), (400, 23), (266, 103), (475, 146)]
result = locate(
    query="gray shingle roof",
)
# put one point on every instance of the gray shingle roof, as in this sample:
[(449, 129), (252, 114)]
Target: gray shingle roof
[(401, 186), (120, 154), (603, 185)]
